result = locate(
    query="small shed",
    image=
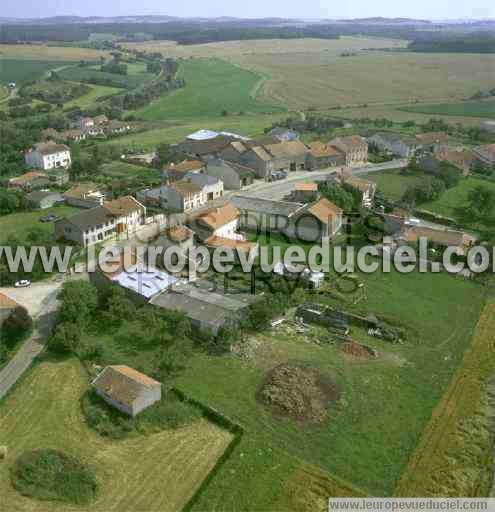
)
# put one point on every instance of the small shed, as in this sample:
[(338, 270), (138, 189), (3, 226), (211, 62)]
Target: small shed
[(126, 389)]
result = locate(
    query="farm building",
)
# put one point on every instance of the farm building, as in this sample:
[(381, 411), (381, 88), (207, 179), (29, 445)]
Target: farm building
[(234, 176), (42, 200), (126, 389)]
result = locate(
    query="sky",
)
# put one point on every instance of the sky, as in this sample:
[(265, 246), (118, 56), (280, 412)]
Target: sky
[(424, 9)]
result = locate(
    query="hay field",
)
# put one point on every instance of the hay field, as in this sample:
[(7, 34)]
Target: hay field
[(155, 473), (45, 52)]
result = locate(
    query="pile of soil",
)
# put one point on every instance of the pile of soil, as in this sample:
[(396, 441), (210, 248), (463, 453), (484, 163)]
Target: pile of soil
[(298, 392), (355, 349)]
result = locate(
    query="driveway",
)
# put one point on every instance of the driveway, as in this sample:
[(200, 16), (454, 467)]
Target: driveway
[(40, 299)]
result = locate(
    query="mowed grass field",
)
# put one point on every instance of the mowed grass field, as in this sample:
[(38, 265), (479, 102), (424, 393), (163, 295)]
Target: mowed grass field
[(20, 224), (97, 91), (155, 473), (385, 404), (212, 87), (392, 184), (466, 108), (21, 71)]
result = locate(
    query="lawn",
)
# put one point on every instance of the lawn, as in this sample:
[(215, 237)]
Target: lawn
[(212, 86), (385, 404), (153, 473), (97, 91), (21, 71), (392, 184), (453, 199), (463, 108), (19, 224)]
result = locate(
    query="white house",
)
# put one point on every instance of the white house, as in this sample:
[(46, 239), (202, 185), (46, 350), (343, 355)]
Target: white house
[(48, 155), (212, 187)]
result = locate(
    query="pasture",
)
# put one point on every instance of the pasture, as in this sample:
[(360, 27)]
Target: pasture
[(385, 404), (96, 92), (213, 87), (153, 473), (393, 184)]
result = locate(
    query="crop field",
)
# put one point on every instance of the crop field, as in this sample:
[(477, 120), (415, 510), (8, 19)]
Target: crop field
[(94, 75), (20, 224), (392, 184), (48, 53), (385, 404), (465, 108), (212, 87), (153, 473), (21, 71)]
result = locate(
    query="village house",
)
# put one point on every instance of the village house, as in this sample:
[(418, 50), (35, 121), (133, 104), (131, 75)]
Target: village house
[(72, 136), (233, 175), (321, 156), (180, 196), (396, 144), (115, 127), (180, 237), (284, 134), (288, 155), (126, 389), (204, 142), (176, 172), (485, 154), (44, 199), (354, 147), (7, 307), (29, 181), (305, 191), (365, 187), (101, 120), (442, 238), (463, 159), (114, 218), (84, 123), (431, 141), (316, 221), (212, 187), (84, 195), (48, 155)]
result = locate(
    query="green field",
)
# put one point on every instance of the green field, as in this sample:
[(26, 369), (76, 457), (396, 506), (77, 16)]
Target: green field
[(212, 86), (20, 224), (385, 404), (123, 170), (392, 184), (153, 473), (94, 75), (97, 91), (449, 203), (22, 71), (465, 108)]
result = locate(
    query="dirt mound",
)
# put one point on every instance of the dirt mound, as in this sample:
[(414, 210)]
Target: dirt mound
[(355, 349), (298, 392)]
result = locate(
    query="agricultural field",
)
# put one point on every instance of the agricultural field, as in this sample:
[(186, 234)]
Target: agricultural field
[(466, 108), (123, 170), (20, 224), (384, 404), (48, 53), (22, 71), (212, 87), (393, 184), (94, 75), (153, 473)]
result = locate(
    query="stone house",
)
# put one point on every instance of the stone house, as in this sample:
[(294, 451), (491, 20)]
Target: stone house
[(431, 141), (29, 181), (463, 159), (176, 172), (305, 191), (234, 176), (354, 147), (48, 155), (321, 156), (126, 389), (179, 237), (396, 144), (84, 195), (212, 187), (180, 196)]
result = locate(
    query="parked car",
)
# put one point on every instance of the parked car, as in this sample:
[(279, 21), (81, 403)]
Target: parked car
[(23, 283), (51, 217)]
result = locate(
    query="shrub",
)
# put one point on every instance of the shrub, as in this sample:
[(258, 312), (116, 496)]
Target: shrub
[(169, 413), (54, 475), (16, 327)]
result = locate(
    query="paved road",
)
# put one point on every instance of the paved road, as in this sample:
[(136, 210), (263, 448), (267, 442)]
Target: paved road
[(279, 189), (40, 299)]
